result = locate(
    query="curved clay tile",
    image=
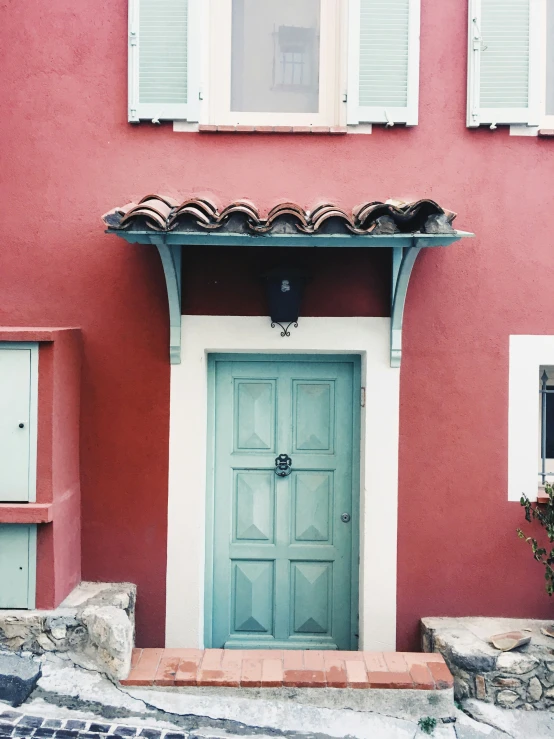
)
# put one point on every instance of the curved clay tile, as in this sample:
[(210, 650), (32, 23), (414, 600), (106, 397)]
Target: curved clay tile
[(281, 211), (240, 206), (162, 213), (170, 202), (155, 211), (323, 213)]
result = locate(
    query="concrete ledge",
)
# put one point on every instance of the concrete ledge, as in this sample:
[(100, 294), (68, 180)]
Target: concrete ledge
[(403, 704), (26, 512), (94, 626)]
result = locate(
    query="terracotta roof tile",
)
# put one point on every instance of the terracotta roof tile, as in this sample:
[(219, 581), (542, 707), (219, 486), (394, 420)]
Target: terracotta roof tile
[(159, 213)]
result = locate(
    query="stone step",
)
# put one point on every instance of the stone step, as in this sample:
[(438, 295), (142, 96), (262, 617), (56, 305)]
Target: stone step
[(212, 668)]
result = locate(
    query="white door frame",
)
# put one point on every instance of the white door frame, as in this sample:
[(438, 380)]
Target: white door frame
[(203, 335)]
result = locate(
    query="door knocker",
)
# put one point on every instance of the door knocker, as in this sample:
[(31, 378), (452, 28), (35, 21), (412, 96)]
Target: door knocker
[(283, 465)]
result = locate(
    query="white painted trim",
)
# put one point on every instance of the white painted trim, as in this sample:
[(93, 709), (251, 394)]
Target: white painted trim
[(202, 335), (218, 106), (156, 112), (493, 117), (527, 354), (357, 113)]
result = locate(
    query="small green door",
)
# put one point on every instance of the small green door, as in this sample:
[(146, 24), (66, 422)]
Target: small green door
[(284, 563)]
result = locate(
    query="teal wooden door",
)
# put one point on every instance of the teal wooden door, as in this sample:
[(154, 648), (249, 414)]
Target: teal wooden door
[(284, 555)]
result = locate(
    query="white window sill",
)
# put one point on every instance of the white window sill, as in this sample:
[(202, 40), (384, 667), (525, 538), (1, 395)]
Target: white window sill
[(186, 127)]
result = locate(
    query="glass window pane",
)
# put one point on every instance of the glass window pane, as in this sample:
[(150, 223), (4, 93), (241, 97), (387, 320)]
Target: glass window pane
[(550, 58), (275, 56)]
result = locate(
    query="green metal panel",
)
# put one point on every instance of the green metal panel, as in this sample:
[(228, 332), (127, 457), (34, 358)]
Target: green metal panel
[(17, 565), (18, 421), (283, 571)]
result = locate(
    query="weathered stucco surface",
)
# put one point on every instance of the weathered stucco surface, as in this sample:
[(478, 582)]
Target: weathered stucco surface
[(95, 626)]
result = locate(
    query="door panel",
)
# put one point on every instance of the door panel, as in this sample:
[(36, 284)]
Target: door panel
[(15, 395), (314, 406), (311, 597), (16, 565), (253, 591), (283, 562), (313, 492), (254, 415), (254, 506)]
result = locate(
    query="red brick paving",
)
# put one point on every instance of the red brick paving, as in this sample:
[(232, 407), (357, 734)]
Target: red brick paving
[(266, 668)]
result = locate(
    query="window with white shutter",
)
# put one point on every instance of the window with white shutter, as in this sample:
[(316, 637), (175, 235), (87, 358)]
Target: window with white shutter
[(383, 66), (504, 63), (276, 62), (163, 60)]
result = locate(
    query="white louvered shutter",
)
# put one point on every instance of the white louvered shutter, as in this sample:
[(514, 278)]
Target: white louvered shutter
[(503, 62), (383, 68), (161, 64)]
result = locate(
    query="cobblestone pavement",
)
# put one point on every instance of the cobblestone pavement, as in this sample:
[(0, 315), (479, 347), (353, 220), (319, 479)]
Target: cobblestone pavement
[(15, 724)]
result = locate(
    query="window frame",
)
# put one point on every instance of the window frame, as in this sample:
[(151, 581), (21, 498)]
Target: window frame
[(528, 355), (546, 121), (332, 71)]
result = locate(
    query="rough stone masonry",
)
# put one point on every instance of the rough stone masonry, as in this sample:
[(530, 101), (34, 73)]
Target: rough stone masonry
[(95, 626), (522, 678)]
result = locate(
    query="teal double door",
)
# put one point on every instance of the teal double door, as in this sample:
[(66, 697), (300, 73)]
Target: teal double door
[(283, 544)]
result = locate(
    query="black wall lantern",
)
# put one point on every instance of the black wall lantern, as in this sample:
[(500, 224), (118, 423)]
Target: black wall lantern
[(285, 288)]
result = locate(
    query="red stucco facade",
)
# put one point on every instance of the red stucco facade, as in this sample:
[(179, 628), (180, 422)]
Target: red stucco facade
[(69, 155)]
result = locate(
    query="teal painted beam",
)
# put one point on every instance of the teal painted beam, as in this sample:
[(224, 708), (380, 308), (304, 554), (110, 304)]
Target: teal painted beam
[(404, 266), (210, 238), (171, 261)]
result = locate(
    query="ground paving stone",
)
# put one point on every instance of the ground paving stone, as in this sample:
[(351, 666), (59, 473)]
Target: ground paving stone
[(14, 724)]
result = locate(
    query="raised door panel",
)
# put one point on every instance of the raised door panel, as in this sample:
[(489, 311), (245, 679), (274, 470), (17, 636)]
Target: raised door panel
[(16, 565), (252, 597), (313, 416), (311, 598), (15, 418), (312, 505), (254, 415), (254, 506)]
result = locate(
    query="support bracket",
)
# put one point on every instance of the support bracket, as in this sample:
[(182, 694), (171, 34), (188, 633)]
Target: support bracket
[(405, 249), (171, 256), (403, 260)]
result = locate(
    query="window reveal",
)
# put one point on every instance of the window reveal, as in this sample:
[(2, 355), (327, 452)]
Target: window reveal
[(275, 56)]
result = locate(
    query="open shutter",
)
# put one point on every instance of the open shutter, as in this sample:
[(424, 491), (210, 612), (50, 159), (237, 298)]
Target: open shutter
[(503, 62), (383, 67), (161, 60)]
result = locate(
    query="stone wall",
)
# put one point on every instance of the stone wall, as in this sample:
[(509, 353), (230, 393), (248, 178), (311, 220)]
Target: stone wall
[(95, 626), (522, 678)]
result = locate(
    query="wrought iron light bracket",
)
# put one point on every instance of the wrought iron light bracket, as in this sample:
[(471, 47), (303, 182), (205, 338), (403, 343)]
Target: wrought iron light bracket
[(285, 331)]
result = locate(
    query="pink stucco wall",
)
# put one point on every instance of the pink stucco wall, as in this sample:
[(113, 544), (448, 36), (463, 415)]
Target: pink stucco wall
[(69, 155)]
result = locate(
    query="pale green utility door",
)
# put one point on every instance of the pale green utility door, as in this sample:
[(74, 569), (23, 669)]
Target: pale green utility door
[(284, 563)]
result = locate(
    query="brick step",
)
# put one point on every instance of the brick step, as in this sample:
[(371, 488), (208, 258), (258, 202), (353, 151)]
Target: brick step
[(267, 668)]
